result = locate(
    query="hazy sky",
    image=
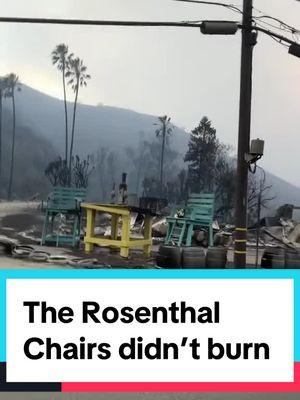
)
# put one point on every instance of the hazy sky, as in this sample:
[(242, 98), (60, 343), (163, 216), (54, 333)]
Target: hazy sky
[(172, 71)]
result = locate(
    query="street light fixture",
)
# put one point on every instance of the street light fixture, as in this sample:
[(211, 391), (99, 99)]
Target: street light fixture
[(294, 49), (256, 151), (219, 28)]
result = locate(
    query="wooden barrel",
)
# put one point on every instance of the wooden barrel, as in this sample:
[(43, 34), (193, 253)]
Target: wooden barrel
[(273, 259), (193, 258), (216, 258), (292, 260), (169, 257)]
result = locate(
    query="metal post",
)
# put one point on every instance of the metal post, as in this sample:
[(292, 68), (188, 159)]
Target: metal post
[(262, 180), (258, 222), (248, 41)]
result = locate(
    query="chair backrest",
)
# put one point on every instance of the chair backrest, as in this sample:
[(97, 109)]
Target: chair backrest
[(200, 206), (66, 198)]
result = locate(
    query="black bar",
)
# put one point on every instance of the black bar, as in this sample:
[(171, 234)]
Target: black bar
[(25, 387)]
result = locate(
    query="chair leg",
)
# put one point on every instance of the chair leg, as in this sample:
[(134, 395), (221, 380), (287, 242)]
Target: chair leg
[(148, 235), (168, 233), (124, 252), (189, 235), (52, 223), (171, 226), (79, 229), (90, 225), (58, 233), (182, 233), (125, 236), (45, 229), (211, 236), (75, 230)]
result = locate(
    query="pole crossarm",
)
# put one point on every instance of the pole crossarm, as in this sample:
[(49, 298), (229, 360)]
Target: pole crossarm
[(59, 21)]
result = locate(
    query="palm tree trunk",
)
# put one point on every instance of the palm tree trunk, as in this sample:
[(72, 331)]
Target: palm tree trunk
[(138, 177), (162, 160), (66, 116), (73, 131), (12, 162)]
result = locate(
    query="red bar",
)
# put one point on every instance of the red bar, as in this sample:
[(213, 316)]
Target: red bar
[(185, 387)]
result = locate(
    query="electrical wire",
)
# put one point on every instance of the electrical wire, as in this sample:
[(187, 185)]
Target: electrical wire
[(270, 25), (281, 39), (265, 15), (232, 7), (260, 20), (283, 25), (263, 24)]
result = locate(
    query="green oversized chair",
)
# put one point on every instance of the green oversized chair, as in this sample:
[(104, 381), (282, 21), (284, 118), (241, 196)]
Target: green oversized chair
[(198, 213), (63, 201)]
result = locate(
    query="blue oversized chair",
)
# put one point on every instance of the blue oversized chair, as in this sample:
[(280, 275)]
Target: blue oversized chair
[(63, 201), (198, 213)]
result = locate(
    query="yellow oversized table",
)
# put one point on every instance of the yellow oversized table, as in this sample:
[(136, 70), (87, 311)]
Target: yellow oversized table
[(117, 212)]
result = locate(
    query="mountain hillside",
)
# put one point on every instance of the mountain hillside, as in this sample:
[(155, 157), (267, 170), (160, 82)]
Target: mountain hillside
[(32, 154), (40, 138), (97, 126), (284, 192)]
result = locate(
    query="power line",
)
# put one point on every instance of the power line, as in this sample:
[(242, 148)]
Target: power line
[(274, 35), (263, 24), (279, 42), (259, 21), (283, 24), (275, 38), (265, 15), (232, 7)]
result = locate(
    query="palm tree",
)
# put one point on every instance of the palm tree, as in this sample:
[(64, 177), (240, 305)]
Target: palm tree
[(77, 78), (12, 85), (3, 90), (60, 59), (165, 128)]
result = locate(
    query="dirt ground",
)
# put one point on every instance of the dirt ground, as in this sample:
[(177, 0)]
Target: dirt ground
[(22, 221)]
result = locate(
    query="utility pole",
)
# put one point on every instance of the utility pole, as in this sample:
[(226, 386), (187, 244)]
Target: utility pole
[(248, 42)]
